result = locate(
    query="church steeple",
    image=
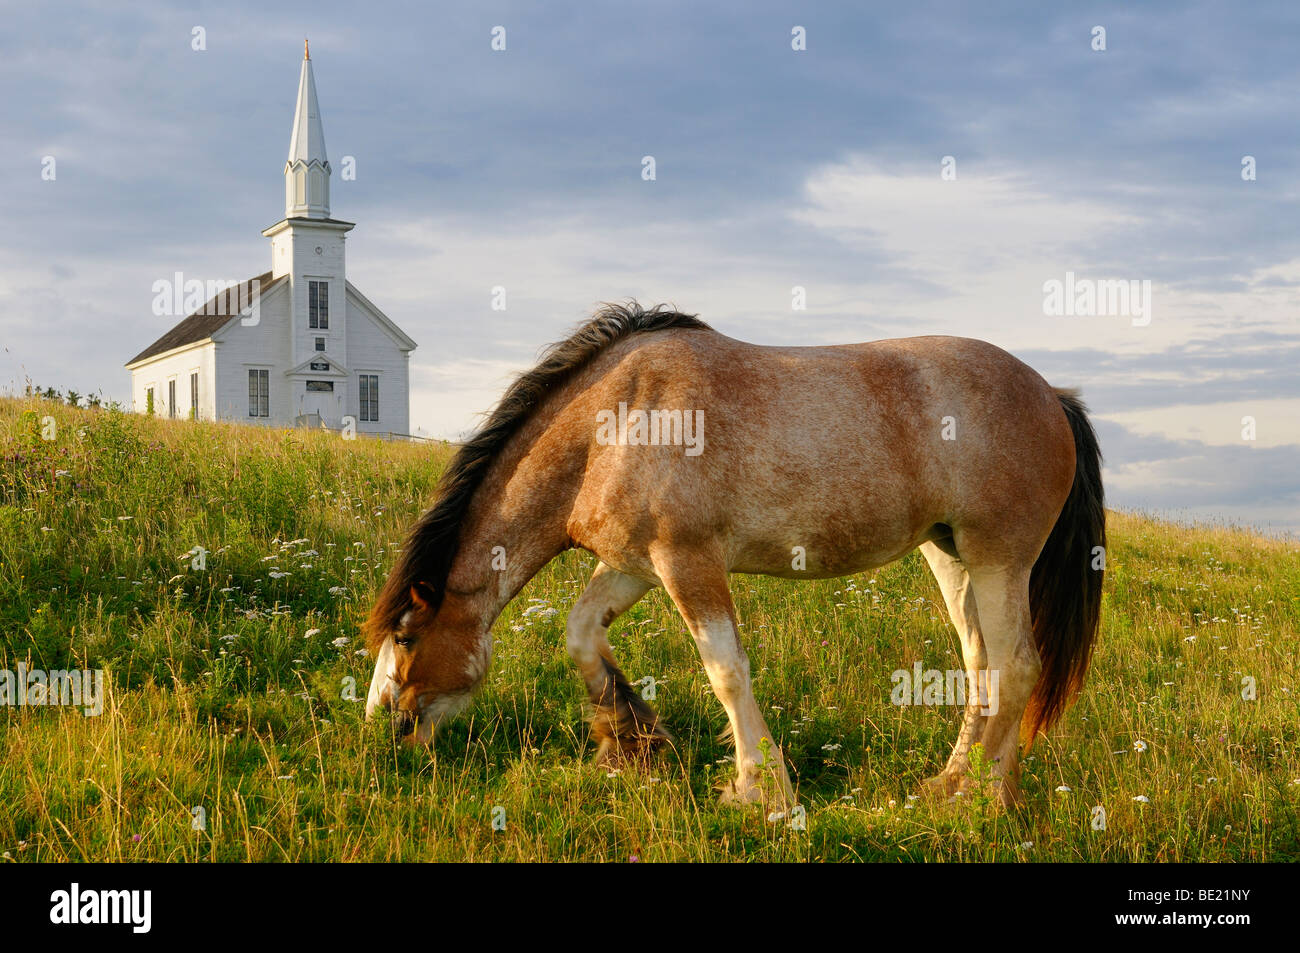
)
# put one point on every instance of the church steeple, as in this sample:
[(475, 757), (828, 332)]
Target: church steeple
[(307, 173)]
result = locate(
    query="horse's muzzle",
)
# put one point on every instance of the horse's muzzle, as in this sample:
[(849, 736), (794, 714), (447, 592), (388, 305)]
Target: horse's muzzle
[(404, 722)]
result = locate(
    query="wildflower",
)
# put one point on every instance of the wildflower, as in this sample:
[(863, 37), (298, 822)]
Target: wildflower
[(1142, 799), (1139, 746), (341, 642), (1063, 789), (311, 632)]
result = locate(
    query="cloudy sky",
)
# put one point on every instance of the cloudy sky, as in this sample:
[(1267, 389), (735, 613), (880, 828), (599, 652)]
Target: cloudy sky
[(821, 168)]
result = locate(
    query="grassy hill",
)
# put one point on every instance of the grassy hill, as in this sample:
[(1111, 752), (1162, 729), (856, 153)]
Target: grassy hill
[(226, 685)]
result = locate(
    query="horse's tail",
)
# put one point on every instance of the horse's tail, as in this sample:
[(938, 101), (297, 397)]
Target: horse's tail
[(1064, 587)]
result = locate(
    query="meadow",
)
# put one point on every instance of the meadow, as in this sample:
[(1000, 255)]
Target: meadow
[(233, 728)]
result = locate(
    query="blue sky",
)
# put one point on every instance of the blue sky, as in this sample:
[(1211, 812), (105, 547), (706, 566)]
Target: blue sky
[(775, 168)]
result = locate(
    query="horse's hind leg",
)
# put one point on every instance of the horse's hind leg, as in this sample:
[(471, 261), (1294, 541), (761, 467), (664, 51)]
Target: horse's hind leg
[(955, 583), (1003, 599), (623, 723), (699, 589)]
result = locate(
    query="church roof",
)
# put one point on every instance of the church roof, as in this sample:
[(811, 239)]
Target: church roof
[(210, 318)]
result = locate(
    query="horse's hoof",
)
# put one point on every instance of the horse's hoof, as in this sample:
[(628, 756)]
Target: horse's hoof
[(955, 790), (618, 752), (940, 788), (735, 794), (1010, 797)]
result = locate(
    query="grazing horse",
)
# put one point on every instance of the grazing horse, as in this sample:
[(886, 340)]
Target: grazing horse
[(678, 455)]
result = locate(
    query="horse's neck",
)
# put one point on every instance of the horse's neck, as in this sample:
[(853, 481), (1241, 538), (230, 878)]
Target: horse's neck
[(516, 524)]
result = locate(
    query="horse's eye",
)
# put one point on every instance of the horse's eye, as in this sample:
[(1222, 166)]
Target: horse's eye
[(403, 640)]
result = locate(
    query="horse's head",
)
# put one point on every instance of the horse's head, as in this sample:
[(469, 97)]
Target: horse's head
[(430, 655)]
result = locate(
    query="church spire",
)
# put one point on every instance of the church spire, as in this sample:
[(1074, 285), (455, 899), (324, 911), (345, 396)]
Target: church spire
[(307, 173)]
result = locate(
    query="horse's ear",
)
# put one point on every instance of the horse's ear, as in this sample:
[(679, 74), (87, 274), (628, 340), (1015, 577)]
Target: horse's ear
[(422, 595)]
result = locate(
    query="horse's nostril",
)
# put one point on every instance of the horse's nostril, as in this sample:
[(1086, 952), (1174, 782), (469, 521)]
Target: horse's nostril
[(404, 722)]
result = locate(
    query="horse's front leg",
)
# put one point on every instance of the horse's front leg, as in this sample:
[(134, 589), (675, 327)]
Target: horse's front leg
[(704, 600), (622, 722)]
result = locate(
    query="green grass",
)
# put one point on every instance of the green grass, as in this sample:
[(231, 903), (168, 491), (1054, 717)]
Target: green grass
[(219, 699)]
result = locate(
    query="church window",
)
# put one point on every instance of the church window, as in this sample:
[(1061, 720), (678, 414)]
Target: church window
[(259, 393), (171, 399), (318, 305), (194, 396), (320, 387), (320, 344), (369, 397)]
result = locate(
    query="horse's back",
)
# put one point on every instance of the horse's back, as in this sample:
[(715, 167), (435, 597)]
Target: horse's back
[(855, 452)]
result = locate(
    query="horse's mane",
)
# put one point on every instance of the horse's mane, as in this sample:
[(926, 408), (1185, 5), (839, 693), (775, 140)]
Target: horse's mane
[(427, 556)]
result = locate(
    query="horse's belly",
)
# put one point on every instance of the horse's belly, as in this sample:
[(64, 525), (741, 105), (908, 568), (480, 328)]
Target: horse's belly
[(829, 551)]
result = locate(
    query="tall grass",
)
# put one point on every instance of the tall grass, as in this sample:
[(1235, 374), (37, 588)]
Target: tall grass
[(227, 684)]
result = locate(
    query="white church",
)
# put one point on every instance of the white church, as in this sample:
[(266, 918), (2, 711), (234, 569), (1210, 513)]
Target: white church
[(297, 345)]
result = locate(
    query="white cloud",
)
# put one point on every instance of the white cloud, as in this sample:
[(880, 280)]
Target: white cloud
[(988, 240), (1277, 422)]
